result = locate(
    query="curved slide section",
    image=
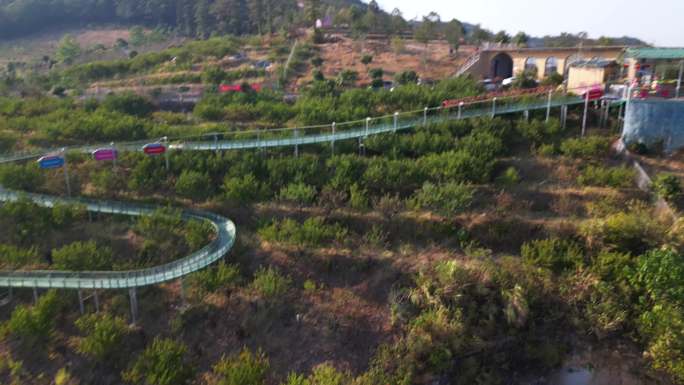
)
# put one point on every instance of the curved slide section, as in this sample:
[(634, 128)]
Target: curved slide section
[(225, 230)]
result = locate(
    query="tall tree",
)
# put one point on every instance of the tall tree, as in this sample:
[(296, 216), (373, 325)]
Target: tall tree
[(502, 37), (257, 15), (202, 19), (521, 39), (312, 11), (454, 32), (479, 35), (397, 22), (427, 30), (68, 49)]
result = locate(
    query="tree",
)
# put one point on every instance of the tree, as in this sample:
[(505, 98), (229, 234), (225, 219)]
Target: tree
[(397, 22), (104, 337), (137, 36), (202, 19), (366, 60), (193, 184), (164, 362), (68, 49), (479, 35), (502, 37), (406, 77), (35, 324), (427, 30), (454, 32), (347, 78), (667, 186), (299, 193), (245, 368), (521, 39)]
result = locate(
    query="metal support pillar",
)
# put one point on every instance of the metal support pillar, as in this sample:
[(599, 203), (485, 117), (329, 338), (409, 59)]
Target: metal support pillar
[(607, 120), (362, 147), (115, 156), (66, 173), (80, 302), (259, 140), (97, 301), (181, 283), (679, 80), (493, 107), (296, 136), (425, 110), (548, 107), (134, 305), (586, 112), (526, 115), (166, 153), (35, 295), (627, 103), (216, 143), (564, 116), (460, 110), (396, 121), (332, 142)]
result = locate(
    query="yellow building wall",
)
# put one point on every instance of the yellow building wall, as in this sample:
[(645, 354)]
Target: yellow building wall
[(582, 78)]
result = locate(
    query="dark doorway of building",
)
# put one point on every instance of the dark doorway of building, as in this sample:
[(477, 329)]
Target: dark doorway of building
[(502, 66)]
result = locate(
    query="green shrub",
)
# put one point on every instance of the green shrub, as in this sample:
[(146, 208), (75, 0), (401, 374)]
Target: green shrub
[(326, 374), (245, 189), (448, 198), (245, 368), (81, 256), (406, 77), (299, 193), (667, 186), (554, 254), (198, 233), (128, 103), (313, 232), (213, 279), (193, 184), (21, 177), (66, 215), (547, 150), (12, 257), (589, 147), (104, 337), (633, 231), (164, 362), (358, 198), (616, 177), (270, 284), (509, 177), (538, 132)]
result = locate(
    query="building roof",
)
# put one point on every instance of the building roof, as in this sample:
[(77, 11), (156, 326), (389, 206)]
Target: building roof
[(593, 63), (655, 53)]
